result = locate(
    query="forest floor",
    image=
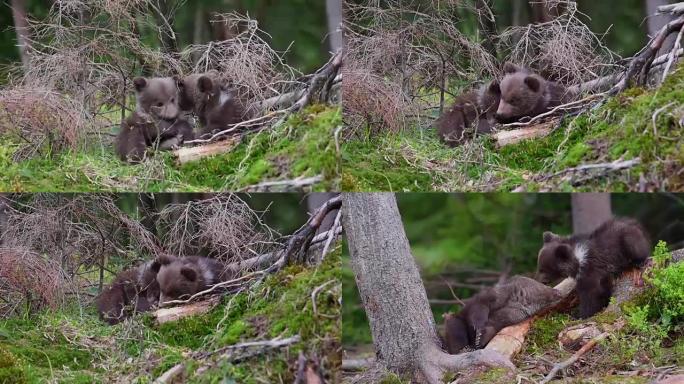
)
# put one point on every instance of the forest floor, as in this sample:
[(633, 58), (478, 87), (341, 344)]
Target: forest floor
[(639, 123), (74, 346), (303, 147)]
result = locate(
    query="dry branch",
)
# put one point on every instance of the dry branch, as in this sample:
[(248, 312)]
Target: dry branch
[(559, 366), (165, 315)]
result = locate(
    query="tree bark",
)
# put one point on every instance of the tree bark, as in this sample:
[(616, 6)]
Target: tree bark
[(333, 9), (589, 210), (21, 28), (656, 21), (393, 295)]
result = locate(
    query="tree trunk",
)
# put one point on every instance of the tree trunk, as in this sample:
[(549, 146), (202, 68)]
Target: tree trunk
[(393, 294), (167, 34), (589, 210), (21, 28), (655, 22), (334, 11)]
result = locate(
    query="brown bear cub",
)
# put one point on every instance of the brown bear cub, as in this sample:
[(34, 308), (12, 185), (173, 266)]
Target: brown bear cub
[(472, 111), (133, 290), (180, 278), (156, 122), (526, 94), (216, 106), (594, 260), (492, 309)]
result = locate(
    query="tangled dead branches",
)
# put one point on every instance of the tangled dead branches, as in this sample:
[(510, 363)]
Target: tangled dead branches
[(42, 120), (28, 277), (223, 224), (405, 51), (563, 49)]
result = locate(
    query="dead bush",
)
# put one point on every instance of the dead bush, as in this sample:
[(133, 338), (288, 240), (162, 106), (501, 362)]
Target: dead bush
[(31, 279), (564, 49), (43, 121), (223, 225)]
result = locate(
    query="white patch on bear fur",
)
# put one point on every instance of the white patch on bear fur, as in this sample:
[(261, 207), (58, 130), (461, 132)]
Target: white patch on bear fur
[(207, 273), (581, 251), (225, 97)]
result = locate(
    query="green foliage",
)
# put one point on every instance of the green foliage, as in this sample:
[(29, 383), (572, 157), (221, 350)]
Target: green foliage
[(623, 128), (666, 303), (12, 369), (301, 147)]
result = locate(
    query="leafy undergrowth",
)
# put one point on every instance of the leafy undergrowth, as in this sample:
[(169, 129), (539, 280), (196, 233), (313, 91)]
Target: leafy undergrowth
[(621, 129), (74, 346), (302, 147)]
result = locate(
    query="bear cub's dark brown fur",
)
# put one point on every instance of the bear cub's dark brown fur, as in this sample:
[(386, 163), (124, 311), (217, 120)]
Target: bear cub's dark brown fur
[(594, 259), (179, 278), (472, 111), (133, 290), (526, 94), (156, 122), (495, 308), (216, 106)]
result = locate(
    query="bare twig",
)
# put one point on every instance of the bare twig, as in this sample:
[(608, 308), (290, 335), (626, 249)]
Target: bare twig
[(575, 356)]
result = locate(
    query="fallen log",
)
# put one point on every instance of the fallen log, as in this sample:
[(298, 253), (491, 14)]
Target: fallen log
[(185, 155), (504, 138), (165, 315)]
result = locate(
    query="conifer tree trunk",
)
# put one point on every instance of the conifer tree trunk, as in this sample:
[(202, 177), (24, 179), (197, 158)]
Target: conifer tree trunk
[(589, 210)]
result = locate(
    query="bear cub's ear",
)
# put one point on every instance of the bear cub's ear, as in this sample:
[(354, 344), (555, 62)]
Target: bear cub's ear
[(494, 87), (140, 83), (205, 84), (509, 68), (189, 273), (563, 252), (162, 260), (533, 83), (550, 236)]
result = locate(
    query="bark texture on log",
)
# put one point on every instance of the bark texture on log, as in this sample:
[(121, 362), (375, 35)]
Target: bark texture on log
[(514, 136)]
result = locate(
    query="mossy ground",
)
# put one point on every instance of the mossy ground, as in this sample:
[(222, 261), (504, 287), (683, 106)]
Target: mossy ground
[(302, 147), (74, 346), (622, 128)]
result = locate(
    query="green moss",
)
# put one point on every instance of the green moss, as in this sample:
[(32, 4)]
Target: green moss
[(620, 129), (12, 369), (303, 146), (544, 334)]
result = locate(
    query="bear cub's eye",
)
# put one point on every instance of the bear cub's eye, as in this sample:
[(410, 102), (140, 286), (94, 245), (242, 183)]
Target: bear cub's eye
[(160, 104)]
